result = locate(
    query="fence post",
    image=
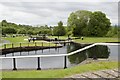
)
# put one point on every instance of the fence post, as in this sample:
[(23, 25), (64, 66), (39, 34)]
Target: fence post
[(20, 44), (42, 47), (28, 44), (12, 45), (64, 43), (35, 44), (4, 46), (56, 45), (49, 44), (42, 44), (14, 64), (38, 64), (65, 62)]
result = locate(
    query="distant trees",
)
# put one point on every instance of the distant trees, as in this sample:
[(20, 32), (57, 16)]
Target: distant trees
[(87, 23), (114, 31), (9, 30), (59, 30), (12, 28), (22, 31)]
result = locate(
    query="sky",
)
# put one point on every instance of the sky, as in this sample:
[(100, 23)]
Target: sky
[(50, 13)]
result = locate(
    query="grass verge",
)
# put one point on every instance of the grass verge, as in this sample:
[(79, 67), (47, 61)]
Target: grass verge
[(96, 40)]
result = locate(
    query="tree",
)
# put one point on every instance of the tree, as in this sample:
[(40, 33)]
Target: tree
[(9, 31), (99, 24), (59, 30), (87, 23), (21, 31), (4, 23), (30, 32), (77, 21)]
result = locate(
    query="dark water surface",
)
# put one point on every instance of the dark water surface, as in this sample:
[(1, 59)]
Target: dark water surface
[(101, 51)]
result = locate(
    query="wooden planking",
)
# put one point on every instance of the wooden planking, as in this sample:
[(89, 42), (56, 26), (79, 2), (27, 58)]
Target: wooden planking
[(102, 74)]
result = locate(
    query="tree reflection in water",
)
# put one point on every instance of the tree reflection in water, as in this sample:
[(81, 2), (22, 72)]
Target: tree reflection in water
[(100, 51)]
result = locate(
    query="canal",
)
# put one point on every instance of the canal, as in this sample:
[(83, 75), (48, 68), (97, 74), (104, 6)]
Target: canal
[(96, 52)]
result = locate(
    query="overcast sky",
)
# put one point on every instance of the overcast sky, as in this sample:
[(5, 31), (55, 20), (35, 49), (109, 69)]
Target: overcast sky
[(34, 13)]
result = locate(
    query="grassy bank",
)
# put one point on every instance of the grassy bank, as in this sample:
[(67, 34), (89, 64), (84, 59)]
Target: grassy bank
[(16, 39), (60, 73), (90, 39), (24, 42), (96, 40)]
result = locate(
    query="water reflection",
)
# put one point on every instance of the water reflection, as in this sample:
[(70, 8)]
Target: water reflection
[(100, 51)]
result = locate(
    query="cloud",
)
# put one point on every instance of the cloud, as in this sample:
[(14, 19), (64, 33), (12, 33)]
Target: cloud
[(50, 13)]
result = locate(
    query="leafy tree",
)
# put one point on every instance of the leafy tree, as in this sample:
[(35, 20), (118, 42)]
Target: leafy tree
[(113, 31), (99, 24), (77, 21), (21, 31), (59, 30), (30, 32), (9, 31), (4, 23), (86, 23)]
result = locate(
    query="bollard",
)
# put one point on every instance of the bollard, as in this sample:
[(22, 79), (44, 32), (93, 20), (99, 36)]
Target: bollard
[(14, 64), (65, 62), (38, 64)]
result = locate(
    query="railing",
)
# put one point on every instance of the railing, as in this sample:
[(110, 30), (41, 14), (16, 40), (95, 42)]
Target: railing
[(55, 55)]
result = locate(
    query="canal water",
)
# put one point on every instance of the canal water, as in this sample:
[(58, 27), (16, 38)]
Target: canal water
[(96, 52)]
